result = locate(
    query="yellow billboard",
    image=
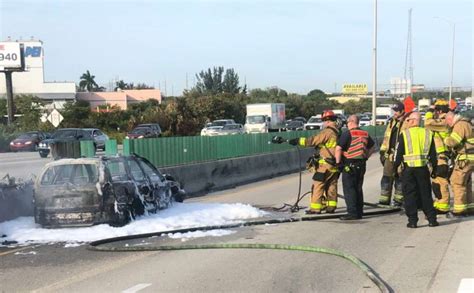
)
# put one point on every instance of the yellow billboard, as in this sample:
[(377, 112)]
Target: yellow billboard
[(355, 88)]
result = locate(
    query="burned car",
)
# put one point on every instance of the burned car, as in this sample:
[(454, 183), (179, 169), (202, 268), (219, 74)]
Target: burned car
[(113, 190)]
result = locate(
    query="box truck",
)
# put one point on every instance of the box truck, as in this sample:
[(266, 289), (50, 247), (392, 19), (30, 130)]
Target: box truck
[(263, 118)]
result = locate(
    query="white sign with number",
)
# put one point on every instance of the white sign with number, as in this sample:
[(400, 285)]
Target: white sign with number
[(10, 56), (55, 118)]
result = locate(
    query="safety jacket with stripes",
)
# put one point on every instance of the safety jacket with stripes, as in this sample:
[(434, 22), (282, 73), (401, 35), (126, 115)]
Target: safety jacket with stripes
[(325, 141), (358, 148), (461, 139), (440, 130), (389, 131), (417, 143)]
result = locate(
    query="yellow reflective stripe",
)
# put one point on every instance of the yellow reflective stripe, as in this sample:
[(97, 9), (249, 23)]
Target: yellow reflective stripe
[(398, 196), (442, 206), (441, 149), (427, 142), (464, 157), (302, 141), (384, 197), (471, 140), (331, 144), (332, 203), (456, 137), (429, 115), (459, 207), (315, 206)]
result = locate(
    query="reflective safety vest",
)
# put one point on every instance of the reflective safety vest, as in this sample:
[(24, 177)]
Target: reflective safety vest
[(358, 148), (417, 146)]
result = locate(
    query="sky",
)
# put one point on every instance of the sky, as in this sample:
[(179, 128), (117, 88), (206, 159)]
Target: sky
[(295, 45)]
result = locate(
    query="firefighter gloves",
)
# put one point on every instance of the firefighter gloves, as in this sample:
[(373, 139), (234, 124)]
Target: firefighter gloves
[(294, 141)]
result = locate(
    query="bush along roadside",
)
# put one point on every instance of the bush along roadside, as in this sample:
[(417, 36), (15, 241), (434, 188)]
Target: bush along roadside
[(6, 136)]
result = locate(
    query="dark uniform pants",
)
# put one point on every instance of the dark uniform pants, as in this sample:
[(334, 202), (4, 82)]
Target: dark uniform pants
[(417, 188), (352, 182)]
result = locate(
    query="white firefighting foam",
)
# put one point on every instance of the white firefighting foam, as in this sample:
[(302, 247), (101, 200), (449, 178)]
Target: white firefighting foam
[(181, 215)]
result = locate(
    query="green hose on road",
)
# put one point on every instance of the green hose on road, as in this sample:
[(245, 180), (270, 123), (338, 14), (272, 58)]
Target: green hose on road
[(354, 260), (99, 244)]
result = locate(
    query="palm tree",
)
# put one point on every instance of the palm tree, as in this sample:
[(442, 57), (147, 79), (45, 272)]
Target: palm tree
[(87, 82), (121, 85)]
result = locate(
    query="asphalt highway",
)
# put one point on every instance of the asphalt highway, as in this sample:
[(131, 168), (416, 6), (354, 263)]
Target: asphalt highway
[(426, 259)]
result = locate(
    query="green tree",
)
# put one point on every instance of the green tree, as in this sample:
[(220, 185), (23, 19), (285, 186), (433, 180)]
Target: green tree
[(215, 81), (3, 107), (143, 86), (231, 83), (356, 107), (29, 108), (76, 114), (88, 83), (122, 85)]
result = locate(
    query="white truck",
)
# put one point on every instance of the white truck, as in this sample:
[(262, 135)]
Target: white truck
[(424, 105), (383, 114), (262, 118)]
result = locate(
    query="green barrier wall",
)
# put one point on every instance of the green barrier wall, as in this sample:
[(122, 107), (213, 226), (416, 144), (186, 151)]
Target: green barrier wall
[(172, 151)]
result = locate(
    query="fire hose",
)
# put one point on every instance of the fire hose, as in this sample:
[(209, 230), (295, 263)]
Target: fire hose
[(99, 245)]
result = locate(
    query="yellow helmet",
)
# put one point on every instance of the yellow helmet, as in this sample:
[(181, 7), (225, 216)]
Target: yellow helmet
[(441, 102)]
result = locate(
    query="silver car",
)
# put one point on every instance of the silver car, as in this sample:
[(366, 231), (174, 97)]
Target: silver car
[(228, 129)]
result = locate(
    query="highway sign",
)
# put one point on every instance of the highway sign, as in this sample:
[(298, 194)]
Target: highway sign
[(55, 118)]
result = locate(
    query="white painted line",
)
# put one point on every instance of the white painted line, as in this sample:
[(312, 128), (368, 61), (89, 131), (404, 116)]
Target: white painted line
[(466, 286), (136, 288)]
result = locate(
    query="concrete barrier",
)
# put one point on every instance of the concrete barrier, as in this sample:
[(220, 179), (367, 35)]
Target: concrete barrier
[(198, 179)]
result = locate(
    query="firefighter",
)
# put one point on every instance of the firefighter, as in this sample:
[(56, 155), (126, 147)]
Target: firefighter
[(387, 156), (353, 149), (461, 141), (415, 149), (326, 173), (435, 120)]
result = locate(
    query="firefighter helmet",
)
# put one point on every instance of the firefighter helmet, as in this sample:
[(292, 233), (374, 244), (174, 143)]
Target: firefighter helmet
[(328, 115), (442, 105), (441, 102)]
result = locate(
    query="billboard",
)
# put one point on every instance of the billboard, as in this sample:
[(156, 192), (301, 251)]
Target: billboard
[(10, 55), (355, 88)]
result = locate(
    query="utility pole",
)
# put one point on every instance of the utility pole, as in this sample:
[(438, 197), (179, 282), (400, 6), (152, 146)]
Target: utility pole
[(452, 64), (9, 84), (374, 67), (452, 54), (409, 57), (186, 81)]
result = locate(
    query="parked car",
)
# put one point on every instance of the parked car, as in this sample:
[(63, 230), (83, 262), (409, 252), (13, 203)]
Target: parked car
[(314, 122), (89, 191), (73, 134), (302, 119), (365, 121), (295, 125), (228, 129), (381, 119), (216, 124), (27, 141), (145, 131)]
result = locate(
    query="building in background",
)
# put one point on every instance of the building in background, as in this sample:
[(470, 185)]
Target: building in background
[(121, 98), (31, 81)]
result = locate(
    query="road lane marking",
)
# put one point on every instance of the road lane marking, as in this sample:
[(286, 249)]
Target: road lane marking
[(466, 286), (88, 272), (136, 288), (14, 250)]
